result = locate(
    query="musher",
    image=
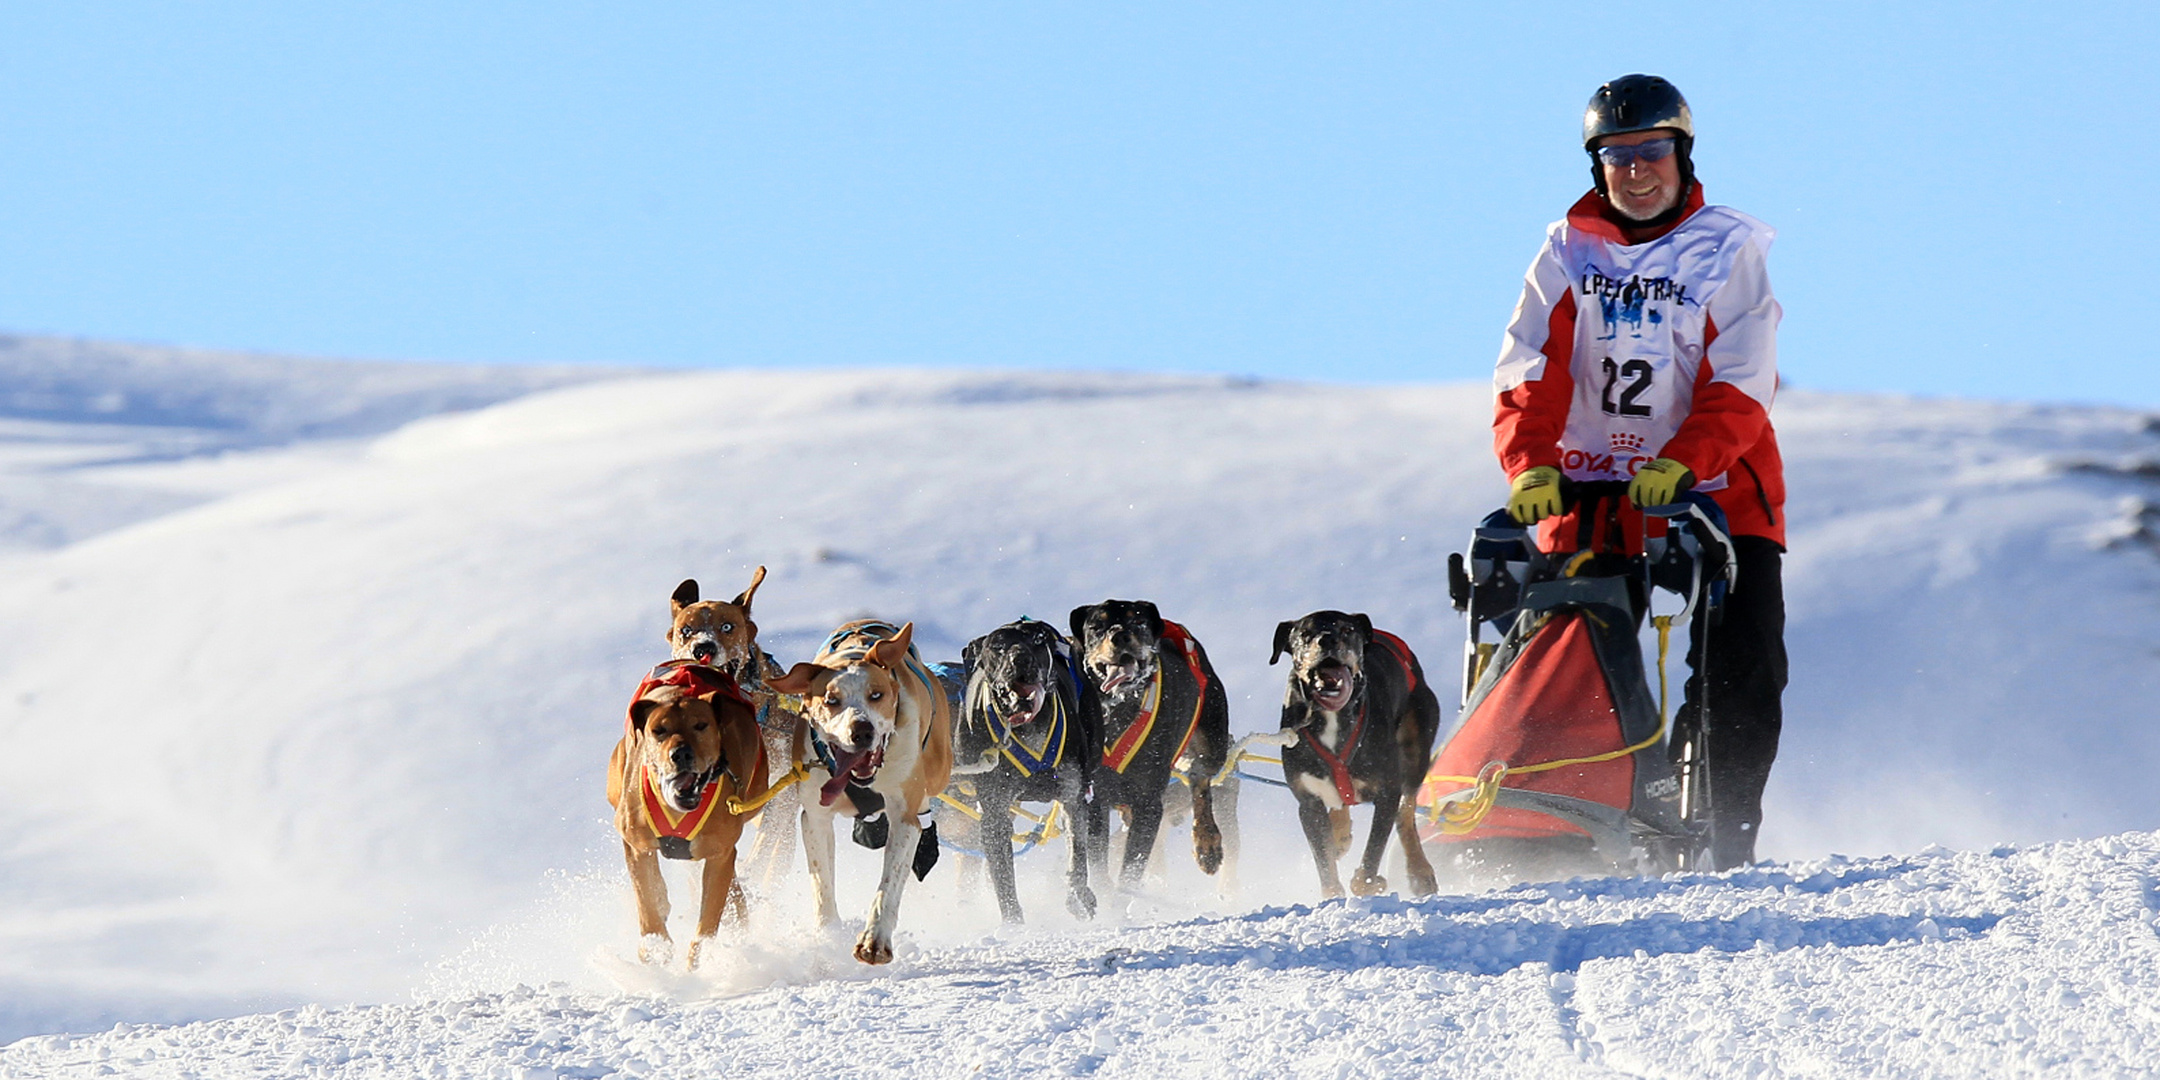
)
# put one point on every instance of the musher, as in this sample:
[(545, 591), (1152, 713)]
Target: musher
[(1645, 349)]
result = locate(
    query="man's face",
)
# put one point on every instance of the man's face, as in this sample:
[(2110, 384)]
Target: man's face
[(1642, 190)]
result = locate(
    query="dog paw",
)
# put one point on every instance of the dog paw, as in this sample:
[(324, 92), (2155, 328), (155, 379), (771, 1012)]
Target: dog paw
[(696, 952), (1207, 850), (870, 950), (1362, 885), (1081, 902), (655, 949), (1423, 885)]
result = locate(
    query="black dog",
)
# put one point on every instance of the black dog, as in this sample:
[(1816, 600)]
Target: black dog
[(1022, 709), (1155, 698), (1366, 721)]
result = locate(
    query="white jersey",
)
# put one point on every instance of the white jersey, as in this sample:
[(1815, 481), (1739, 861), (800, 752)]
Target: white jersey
[(1651, 324)]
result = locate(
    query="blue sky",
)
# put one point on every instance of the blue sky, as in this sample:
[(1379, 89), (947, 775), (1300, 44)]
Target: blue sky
[(1309, 191)]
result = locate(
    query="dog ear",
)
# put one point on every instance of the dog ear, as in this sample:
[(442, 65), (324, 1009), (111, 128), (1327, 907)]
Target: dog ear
[(1364, 625), (1282, 641), (739, 745), (685, 594), (1079, 619), (641, 711), (892, 652), (743, 600), (796, 681), (1154, 617), (968, 653)]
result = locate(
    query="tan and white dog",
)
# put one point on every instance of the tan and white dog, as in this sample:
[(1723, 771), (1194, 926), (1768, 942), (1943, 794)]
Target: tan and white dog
[(878, 731), (722, 634), (690, 749)]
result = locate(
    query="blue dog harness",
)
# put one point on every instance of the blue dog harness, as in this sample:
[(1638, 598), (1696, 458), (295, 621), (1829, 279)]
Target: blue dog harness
[(1038, 759)]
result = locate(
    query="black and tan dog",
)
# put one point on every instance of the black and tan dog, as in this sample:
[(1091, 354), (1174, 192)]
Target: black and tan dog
[(722, 634), (1022, 715), (690, 748), (1155, 699), (878, 744), (1366, 721)]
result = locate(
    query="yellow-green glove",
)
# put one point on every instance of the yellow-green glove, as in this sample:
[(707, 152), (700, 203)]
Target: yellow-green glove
[(1535, 495), (1659, 483)]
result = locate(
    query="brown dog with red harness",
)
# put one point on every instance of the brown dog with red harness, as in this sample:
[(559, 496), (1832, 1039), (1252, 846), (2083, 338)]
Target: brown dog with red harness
[(1366, 721), (721, 633), (690, 755)]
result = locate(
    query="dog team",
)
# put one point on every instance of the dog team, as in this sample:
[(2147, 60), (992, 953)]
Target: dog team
[(1120, 713)]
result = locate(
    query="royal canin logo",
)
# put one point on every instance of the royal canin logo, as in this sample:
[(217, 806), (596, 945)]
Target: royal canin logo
[(1577, 463), (1626, 443)]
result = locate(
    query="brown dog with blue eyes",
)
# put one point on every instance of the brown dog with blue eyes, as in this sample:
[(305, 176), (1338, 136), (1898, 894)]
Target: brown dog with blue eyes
[(721, 634)]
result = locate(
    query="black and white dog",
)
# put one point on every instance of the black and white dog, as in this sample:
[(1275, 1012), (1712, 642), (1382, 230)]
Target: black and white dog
[(1155, 698), (1022, 716), (1366, 721)]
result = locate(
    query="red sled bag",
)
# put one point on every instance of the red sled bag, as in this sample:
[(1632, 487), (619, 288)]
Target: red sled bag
[(1551, 713), (1559, 735)]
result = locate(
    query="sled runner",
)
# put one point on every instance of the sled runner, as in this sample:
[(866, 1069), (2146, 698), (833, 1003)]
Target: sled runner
[(1558, 735)]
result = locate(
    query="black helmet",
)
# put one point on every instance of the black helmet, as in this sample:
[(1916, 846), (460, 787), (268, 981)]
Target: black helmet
[(1638, 103), (1635, 103)]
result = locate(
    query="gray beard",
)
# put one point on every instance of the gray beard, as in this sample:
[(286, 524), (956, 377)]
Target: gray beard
[(1661, 211)]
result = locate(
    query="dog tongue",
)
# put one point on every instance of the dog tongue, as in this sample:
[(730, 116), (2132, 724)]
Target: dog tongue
[(844, 768)]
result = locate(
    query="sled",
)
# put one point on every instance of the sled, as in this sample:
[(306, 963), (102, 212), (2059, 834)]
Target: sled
[(1559, 737)]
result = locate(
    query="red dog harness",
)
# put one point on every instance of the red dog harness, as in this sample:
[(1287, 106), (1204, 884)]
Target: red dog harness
[(699, 680), (1339, 764), (1128, 745)]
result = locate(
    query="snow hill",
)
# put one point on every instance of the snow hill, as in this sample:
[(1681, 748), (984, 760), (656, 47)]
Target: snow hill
[(328, 723), (74, 414)]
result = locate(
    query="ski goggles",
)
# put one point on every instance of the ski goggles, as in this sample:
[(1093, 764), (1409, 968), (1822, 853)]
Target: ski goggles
[(1620, 157)]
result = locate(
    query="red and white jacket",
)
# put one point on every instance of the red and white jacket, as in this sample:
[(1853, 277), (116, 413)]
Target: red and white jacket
[(1623, 353)]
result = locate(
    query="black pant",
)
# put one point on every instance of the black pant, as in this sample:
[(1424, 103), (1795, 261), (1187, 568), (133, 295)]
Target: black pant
[(1745, 672)]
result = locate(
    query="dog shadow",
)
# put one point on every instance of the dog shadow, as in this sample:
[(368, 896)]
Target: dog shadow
[(1498, 947), (1453, 933), (1452, 936)]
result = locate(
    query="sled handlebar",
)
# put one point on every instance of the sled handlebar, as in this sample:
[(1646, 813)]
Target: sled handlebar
[(1686, 505), (1573, 492)]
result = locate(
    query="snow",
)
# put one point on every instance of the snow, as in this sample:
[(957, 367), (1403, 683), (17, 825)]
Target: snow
[(2033, 962), (318, 697)]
